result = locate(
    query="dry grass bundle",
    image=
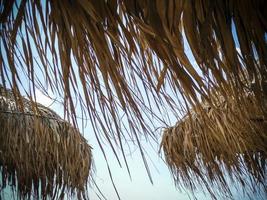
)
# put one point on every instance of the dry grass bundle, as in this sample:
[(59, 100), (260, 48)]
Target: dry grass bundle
[(219, 146), (41, 155)]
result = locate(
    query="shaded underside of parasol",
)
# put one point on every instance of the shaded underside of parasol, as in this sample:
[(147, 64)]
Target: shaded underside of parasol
[(218, 146), (41, 155)]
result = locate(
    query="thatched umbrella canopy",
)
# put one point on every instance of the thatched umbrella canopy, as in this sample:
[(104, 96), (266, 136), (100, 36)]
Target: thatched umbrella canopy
[(40, 154), (117, 57), (215, 148)]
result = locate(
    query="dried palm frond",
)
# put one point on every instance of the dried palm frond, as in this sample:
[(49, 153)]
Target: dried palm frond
[(219, 146), (41, 155), (113, 56)]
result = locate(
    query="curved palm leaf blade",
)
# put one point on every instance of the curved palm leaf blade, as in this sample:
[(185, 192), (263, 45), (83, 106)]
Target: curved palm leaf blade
[(41, 155)]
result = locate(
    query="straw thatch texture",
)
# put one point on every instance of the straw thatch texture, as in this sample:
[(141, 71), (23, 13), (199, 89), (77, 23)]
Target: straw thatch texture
[(40, 154), (119, 43), (131, 54), (219, 146)]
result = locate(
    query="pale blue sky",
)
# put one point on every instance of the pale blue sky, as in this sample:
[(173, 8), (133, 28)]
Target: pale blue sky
[(137, 188)]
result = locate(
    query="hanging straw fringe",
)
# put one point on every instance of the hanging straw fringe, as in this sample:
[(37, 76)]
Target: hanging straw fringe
[(117, 43)]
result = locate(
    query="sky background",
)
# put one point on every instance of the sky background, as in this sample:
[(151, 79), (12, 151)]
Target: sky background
[(140, 186)]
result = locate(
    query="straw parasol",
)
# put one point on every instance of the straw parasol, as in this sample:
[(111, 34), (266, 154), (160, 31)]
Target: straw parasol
[(40, 154), (130, 53), (219, 145)]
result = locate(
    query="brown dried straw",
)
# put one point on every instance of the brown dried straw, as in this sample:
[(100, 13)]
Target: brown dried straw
[(130, 53), (40, 154), (218, 146), (116, 43)]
